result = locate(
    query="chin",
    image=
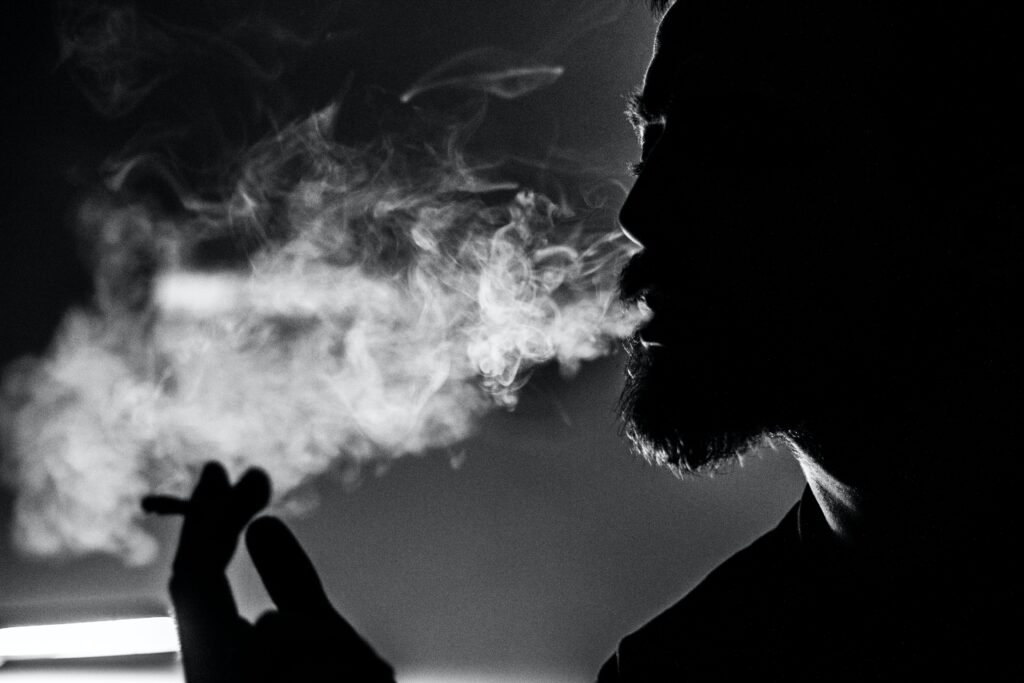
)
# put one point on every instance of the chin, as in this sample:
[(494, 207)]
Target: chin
[(690, 412)]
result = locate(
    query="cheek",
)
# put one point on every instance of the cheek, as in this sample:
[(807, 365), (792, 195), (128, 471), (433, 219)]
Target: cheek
[(792, 265), (799, 230)]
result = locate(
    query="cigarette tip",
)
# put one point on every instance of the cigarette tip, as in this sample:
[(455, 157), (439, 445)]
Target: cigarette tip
[(164, 505)]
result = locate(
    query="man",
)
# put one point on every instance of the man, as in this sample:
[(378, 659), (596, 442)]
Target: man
[(828, 202), (830, 218)]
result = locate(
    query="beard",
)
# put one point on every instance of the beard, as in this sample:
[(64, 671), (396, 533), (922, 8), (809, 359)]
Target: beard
[(701, 385), (666, 425)]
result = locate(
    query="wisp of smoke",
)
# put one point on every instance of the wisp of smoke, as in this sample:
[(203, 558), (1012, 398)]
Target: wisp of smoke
[(338, 307), (490, 70)]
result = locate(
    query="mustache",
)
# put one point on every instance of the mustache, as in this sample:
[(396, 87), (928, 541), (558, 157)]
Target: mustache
[(646, 279)]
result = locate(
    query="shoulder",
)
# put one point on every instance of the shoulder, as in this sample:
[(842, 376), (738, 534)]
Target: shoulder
[(740, 606)]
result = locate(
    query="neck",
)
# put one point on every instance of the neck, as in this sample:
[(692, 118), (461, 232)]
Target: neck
[(841, 503), (914, 510), (869, 508)]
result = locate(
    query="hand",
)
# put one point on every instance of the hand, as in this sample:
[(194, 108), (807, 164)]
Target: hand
[(303, 640)]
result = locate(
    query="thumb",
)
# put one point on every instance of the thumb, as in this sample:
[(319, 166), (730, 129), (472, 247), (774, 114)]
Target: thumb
[(286, 570), (293, 585)]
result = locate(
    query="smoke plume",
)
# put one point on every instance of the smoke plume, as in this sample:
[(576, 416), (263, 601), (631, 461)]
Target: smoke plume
[(339, 306), (491, 70), (304, 304)]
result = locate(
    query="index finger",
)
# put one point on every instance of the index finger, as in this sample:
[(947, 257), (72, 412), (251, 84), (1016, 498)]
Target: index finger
[(215, 517), (217, 513)]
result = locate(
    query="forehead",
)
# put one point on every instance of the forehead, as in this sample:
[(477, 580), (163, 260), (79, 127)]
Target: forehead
[(670, 49), (716, 47), (690, 56), (672, 36)]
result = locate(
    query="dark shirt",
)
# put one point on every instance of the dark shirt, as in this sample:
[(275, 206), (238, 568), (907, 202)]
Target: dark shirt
[(790, 608)]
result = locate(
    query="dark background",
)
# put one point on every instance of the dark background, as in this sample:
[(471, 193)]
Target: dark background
[(548, 541)]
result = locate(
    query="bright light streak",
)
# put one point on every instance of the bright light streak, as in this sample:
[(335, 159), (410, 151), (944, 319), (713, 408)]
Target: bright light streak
[(199, 294), (115, 638)]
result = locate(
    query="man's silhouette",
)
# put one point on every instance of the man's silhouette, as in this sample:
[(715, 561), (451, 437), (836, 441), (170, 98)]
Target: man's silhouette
[(828, 202)]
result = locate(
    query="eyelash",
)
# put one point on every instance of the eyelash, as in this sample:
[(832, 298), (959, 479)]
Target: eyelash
[(637, 167)]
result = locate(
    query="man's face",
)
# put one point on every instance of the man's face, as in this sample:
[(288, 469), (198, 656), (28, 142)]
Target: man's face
[(762, 318)]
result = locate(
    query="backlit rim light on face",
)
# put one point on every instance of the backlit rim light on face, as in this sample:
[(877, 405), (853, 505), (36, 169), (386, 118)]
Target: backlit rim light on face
[(114, 638)]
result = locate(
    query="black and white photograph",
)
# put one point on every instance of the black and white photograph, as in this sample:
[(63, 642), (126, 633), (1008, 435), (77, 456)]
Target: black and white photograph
[(511, 341)]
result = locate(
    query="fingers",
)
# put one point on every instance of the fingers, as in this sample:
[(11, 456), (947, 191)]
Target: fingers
[(293, 585), (250, 495), (292, 649), (215, 517), (272, 639), (286, 570), (217, 513), (295, 649)]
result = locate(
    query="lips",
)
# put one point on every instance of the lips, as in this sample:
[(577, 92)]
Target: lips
[(654, 333), (648, 345), (654, 283), (636, 281)]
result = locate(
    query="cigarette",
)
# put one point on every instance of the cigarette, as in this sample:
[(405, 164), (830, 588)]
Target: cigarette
[(165, 505)]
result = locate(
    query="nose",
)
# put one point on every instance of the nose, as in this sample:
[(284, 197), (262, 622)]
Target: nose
[(636, 219), (627, 222), (647, 204)]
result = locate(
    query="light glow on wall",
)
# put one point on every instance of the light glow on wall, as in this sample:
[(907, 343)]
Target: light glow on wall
[(114, 638)]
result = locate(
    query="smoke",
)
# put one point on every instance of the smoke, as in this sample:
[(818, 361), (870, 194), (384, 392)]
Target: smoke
[(339, 307), (117, 57), (491, 70), (308, 305)]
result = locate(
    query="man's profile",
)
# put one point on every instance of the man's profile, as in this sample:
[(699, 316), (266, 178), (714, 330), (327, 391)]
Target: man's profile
[(820, 199), (828, 205)]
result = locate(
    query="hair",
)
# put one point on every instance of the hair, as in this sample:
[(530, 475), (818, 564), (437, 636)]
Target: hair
[(659, 7)]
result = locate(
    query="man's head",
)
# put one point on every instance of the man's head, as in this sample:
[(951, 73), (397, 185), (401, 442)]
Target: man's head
[(828, 202)]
